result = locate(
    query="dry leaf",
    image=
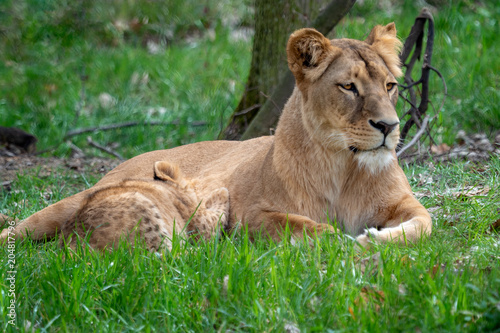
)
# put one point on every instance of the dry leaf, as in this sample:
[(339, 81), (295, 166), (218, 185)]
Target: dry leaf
[(440, 149), (421, 194), (452, 220), (291, 328), (402, 289), (471, 191), (424, 179), (50, 88), (351, 311), (437, 268), (406, 260), (369, 295), (495, 225), (371, 262)]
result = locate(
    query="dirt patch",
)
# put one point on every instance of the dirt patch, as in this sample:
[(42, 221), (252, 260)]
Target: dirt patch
[(474, 148), (11, 166)]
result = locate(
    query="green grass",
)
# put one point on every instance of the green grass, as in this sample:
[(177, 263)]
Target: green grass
[(448, 282)]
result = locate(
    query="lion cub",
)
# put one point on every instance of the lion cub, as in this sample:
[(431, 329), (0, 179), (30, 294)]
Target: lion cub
[(151, 208)]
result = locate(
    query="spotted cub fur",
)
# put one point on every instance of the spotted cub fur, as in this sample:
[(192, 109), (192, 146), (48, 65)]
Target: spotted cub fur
[(151, 208)]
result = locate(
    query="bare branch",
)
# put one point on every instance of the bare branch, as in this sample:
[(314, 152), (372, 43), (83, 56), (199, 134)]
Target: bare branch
[(444, 85), (410, 85), (129, 124), (277, 108), (416, 137), (104, 149), (76, 149), (253, 107)]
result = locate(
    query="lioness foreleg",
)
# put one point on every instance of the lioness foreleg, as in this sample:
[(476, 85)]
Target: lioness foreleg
[(275, 224), (409, 222)]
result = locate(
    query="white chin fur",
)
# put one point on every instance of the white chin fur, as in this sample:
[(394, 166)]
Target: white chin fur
[(374, 161)]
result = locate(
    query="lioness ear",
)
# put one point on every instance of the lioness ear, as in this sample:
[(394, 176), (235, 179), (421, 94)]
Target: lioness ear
[(307, 50), (166, 171), (384, 41)]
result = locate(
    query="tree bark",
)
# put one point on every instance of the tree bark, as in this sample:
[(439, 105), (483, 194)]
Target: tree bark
[(274, 22), (269, 113)]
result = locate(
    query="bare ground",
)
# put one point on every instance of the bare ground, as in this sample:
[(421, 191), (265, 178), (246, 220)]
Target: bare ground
[(11, 166)]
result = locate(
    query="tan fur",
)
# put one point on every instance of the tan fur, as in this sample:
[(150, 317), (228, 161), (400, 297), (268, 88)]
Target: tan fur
[(326, 160), (152, 209)]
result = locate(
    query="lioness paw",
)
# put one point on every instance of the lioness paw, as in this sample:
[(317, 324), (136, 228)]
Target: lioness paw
[(364, 240)]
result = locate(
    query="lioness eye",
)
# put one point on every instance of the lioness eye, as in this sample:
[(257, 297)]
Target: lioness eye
[(389, 86), (349, 86)]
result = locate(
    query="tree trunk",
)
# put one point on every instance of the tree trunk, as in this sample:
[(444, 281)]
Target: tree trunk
[(269, 113), (274, 22)]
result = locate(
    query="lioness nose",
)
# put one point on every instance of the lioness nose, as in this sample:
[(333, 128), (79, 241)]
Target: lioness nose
[(383, 127)]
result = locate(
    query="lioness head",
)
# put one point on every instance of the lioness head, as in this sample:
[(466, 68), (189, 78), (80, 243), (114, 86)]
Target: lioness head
[(349, 91)]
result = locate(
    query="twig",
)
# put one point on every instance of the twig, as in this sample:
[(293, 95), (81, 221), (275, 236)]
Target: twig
[(271, 100), (410, 85), (414, 43), (129, 124), (76, 148), (409, 102), (416, 137), (444, 85), (245, 111), (104, 149)]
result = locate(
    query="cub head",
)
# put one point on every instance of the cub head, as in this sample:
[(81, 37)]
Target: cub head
[(170, 175), (166, 171), (349, 92)]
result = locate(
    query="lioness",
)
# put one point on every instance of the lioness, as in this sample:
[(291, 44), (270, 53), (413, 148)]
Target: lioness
[(151, 208), (332, 157)]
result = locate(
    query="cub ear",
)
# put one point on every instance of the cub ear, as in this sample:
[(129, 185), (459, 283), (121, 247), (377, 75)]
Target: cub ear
[(384, 41), (166, 171), (307, 51)]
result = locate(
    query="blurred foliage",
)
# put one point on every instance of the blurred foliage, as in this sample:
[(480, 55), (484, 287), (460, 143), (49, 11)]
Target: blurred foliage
[(58, 57), (188, 61)]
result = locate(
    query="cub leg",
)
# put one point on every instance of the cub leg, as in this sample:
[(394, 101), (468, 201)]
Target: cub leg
[(46, 222), (208, 221), (409, 222)]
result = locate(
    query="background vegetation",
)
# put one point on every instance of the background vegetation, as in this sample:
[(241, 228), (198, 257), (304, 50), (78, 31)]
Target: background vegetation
[(73, 64), (59, 59)]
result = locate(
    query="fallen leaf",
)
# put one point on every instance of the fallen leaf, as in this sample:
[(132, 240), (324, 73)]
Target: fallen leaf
[(291, 328), (372, 262), (422, 194), (50, 88), (495, 225), (406, 260), (471, 191), (437, 268), (402, 289), (440, 149), (452, 220), (369, 295), (424, 179), (351, 311)]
